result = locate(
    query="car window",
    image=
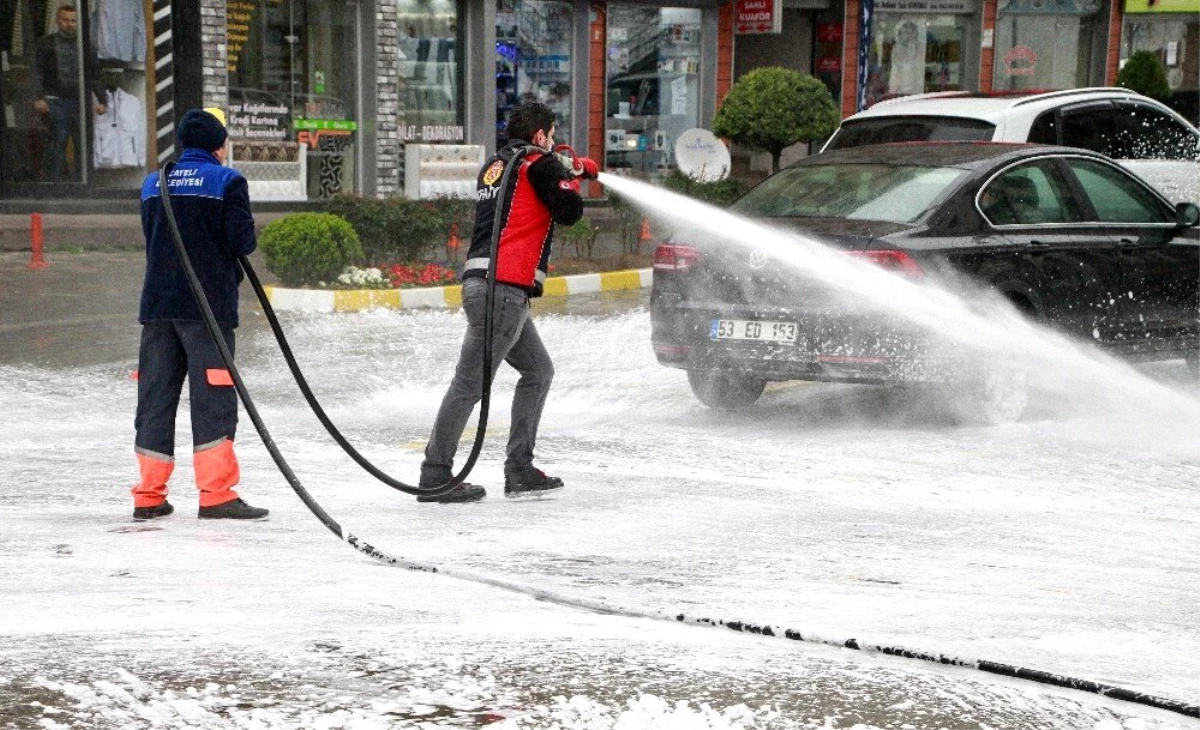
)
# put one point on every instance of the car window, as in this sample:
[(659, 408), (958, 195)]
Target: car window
[(863, 191), (1117, 197), (1093, 128), (1146, 133), (881, 130), (1044, 129), (1035, 193), (1125, 132)]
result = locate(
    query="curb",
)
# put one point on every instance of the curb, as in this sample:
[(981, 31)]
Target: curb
[(357, 300)]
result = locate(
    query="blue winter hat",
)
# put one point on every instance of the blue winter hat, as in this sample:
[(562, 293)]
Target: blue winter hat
[(201, 129)]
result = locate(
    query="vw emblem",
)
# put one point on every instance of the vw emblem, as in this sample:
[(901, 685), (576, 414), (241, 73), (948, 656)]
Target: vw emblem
[(758, 259)]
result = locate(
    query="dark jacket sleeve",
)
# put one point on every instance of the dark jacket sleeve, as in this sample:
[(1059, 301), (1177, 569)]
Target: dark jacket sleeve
[(239, 222), (556, 189), (43, 68), (91, 71)]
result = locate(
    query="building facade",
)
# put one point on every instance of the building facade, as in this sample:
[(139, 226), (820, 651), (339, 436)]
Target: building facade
[(327, 97)]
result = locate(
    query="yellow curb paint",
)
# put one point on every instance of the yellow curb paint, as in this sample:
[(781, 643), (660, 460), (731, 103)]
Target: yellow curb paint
[(555, 287), (616, 280), (270, 292), (453, 295), (358, 299)]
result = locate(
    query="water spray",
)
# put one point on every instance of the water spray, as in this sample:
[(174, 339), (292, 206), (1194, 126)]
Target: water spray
[(746, 627)]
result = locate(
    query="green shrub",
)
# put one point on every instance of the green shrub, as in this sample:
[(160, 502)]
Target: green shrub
[(392, 229), (773, 108), (306, 248), (456, 214), (720, 192), (1144, 73), (581, 235)]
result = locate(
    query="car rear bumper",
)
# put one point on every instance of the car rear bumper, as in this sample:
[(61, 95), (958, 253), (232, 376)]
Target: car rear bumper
[(841, 348)]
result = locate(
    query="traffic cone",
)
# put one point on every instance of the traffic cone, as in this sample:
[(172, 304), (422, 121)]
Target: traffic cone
[(645, 235), (38, 258)]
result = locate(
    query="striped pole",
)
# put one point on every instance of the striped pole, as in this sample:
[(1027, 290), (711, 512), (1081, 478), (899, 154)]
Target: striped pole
[(164, 87)]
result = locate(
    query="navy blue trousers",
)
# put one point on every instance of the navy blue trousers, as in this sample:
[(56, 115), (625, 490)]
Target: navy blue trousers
[(170, 351)]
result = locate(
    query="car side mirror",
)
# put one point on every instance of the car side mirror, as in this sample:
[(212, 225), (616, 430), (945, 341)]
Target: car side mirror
[(1187, 215)]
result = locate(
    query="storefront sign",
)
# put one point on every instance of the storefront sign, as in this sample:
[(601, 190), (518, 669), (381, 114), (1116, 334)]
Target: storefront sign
[(829, 64), (1162, 6), (239, 14), (1051, 7), (1020, 61), (829, 32), (324, 124), (925, 6), (432, 133), (258, 121), (758, 16)]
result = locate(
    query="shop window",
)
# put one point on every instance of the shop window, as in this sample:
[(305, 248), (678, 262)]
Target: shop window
[(1174, 39), (914, 53), (1037, 49), (533, 60), (429, 93), (293, 90), (72, 92), (652, 68)]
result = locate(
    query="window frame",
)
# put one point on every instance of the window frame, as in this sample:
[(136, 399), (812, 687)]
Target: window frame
[(1090, 218)]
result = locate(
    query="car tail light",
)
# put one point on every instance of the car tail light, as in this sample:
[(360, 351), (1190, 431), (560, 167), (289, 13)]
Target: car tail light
[(674, 256), (892, 260)]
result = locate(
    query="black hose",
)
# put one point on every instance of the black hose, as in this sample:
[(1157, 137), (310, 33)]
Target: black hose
[(484, 401), (369, 550)]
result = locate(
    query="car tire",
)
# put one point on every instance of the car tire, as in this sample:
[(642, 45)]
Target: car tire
[(725, 390), (996, 395)]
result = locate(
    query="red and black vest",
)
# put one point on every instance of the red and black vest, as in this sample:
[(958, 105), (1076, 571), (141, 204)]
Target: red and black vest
[(539, 193)]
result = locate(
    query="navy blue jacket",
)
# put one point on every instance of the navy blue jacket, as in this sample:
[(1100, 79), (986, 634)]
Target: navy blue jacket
[(212, 207)]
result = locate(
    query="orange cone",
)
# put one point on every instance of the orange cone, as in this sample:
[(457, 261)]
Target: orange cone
[(38, 259), (645, 235), (453, 244)]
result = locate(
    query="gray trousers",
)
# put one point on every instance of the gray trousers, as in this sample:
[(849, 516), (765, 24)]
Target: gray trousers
[(514, 340)]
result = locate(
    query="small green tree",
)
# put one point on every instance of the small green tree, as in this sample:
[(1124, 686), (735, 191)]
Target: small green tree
[(1144, 73), (773, 108), (307, 248)]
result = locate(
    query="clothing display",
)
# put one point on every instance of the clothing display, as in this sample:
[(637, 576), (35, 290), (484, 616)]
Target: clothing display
[(119, 30), (120, 132)]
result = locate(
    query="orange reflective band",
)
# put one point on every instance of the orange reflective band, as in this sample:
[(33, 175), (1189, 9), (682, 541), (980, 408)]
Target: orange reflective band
[(151, 491), (216, 473), (218, 376)]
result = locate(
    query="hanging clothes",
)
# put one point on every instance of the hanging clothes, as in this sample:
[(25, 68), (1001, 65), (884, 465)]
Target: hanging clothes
[(119, 30), (120, 132)]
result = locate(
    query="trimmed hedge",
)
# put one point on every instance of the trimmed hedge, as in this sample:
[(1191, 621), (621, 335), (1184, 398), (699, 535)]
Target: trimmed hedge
[(392, 229), (307, 248)]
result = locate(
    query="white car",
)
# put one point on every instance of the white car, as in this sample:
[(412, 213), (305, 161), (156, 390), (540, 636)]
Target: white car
[(1145, 136)]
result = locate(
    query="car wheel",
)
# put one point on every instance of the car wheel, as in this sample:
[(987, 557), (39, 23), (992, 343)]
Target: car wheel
[(725, 390), (998, 395)]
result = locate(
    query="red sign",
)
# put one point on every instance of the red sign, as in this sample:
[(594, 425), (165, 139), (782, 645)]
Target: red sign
[(1020, 61), (829, 32), (758, 16), (829, 64)]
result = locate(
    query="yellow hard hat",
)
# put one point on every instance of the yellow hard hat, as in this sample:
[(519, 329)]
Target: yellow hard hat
[(216, 112)]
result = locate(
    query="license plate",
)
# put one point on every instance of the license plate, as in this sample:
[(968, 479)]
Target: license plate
[(783, 333)]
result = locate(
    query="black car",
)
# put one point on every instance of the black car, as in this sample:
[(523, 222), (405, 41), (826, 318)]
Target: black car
[(1067, 236)]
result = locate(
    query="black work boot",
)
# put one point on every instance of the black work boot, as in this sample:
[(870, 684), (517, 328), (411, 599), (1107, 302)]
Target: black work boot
[(149, 513), (233, 510), (529, 480), (465, 492)]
